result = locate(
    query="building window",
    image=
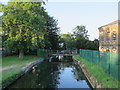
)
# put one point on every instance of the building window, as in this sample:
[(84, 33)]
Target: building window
[(102, 39), (114, 36), (107, 35), (108, 31)]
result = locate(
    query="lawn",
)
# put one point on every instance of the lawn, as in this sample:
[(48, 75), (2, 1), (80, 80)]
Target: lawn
[(0, 72), (12, 67), (105, 79)]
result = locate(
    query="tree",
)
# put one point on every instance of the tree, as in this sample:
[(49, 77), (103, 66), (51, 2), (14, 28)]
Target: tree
[(96, 44), (80, 31), (68, 41), (81, 36), (51, 35), (89, 45), (79, 40), (1, 7), (92, 45), (23, 25)]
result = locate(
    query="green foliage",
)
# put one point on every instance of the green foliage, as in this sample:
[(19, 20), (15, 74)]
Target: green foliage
[(10, 43), (93, 45), (79, 40), (1, 7), (23, 23), (96, 44), (26, 26), (80, 31), (51, 35), (68, 41), (13, 73), (81, 36), (105, 79)]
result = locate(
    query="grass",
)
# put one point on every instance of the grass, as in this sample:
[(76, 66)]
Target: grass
[(14, 60), (0, 67), (0, 79), (102, 77), (10, 74)]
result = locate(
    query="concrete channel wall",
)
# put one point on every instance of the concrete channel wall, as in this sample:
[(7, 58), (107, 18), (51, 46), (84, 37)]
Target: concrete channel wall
[(93, 82), (28, 68)]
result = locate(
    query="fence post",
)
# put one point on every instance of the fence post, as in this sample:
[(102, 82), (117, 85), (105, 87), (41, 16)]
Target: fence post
[(92, 56), (109, 61), (99, 57)]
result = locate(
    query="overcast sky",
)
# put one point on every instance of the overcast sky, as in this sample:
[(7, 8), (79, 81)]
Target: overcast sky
[(92, 14)]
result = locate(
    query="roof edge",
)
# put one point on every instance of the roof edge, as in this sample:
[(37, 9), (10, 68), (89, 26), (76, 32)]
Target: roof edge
[(112, 23)]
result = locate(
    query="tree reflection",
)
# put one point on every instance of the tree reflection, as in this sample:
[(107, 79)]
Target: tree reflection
[(78, 74), (47, 75)]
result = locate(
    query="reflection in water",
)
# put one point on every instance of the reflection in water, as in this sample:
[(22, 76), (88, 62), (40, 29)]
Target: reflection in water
[(53, 75)]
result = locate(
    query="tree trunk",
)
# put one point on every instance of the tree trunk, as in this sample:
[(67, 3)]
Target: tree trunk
[(21, 54)]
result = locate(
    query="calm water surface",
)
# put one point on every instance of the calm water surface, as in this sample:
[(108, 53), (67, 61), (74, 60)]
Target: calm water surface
[(53, 75)]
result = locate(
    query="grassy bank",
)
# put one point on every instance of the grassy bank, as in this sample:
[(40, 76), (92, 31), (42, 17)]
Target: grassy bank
[(0, 72), (12, 67), (105, 79)]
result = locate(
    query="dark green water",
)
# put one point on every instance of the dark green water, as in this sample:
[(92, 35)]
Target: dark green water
[(53, 75)]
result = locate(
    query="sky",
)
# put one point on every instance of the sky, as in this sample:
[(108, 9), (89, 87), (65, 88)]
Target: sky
[(92, 14)]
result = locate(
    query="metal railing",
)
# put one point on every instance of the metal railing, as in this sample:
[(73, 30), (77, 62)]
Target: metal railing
[(44, 52)]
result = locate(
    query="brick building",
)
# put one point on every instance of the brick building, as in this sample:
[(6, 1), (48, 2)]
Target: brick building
[(109, 37)]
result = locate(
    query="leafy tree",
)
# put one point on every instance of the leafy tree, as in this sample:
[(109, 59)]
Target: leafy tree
[(1, 7), (79, 40), (89, 45), (68, 41), (0, 32), (92, 45), (51, 35), (80, 43), (80, 31), (23, 25), (96, 44), (81, 36)]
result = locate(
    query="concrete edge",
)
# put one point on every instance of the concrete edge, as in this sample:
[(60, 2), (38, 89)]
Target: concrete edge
[(92, 80), (28, 68)]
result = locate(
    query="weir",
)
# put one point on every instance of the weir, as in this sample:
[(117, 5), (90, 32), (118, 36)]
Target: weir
[(64, 55)]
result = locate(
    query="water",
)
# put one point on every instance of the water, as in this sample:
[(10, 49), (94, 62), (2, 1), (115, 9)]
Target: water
[(53, 75)]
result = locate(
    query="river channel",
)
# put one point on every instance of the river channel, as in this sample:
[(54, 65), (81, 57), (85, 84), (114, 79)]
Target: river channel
[(53, 75)]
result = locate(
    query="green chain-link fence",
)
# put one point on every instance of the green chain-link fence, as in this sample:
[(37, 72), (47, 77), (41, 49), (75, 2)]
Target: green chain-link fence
[(42, 52), (108, 61)]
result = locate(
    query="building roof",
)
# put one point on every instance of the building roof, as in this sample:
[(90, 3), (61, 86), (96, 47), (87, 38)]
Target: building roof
[(112, 23)]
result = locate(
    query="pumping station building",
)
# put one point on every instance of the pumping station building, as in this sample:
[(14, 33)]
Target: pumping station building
[(109, 37)]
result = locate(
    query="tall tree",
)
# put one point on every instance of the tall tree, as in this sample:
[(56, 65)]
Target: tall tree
[(92, 45), (79, 40), (1, 7), (81, 36), (1, 11), (80, 31), (68, 41), (52, 33), (96, 44), (23, 25)]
